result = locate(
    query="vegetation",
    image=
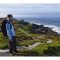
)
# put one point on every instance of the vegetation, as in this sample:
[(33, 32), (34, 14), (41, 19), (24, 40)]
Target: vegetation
[(42, 50), (3, 42), (25, 37)]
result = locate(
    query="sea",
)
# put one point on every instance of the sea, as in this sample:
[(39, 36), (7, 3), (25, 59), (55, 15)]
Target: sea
[(45, 14)]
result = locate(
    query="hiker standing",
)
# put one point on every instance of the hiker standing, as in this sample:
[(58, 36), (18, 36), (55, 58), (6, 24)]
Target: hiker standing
[(11, 34), (8, 30)]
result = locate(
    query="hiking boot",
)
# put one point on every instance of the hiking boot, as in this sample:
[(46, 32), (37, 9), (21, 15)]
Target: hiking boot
[(16, 51)]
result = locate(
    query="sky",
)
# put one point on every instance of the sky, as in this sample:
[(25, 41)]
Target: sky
[(34, 10), (30, 8), (29, 1), (37, 8)]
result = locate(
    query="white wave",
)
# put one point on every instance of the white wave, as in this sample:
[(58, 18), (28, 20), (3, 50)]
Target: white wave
[(54, 28)]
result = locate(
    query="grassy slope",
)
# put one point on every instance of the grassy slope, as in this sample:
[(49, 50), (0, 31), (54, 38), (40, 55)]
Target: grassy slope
[(23, 39), (3, 41), (43, 47)]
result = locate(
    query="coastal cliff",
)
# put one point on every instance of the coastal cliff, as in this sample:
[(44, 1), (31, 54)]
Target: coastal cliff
[(30, 35)]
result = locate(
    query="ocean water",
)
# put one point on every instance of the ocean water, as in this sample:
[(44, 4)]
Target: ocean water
[(46, 14), (53, 23)]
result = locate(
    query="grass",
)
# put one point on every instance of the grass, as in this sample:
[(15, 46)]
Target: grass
[(3, 42), (42, 50), (43, 47), (25, 38)]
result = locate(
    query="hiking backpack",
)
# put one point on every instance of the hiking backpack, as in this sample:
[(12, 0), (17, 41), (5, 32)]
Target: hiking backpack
[(3, 27)]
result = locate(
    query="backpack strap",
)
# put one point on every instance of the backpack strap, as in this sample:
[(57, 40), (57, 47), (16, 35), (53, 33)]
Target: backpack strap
[(10, 24)]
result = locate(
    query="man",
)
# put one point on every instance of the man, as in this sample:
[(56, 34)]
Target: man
[(11, 34)]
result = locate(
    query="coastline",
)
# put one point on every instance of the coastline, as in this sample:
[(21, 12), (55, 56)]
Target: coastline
[(32, 40), (53, 27), (41, 28)]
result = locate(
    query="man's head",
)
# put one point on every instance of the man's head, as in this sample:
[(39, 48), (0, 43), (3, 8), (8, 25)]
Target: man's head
[(9, 17)]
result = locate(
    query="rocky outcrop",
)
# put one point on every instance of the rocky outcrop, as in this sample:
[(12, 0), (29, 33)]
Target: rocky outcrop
[(40, 29)]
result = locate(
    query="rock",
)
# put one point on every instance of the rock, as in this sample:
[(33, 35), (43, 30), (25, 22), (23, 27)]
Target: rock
[(23, 22), (49, 41)]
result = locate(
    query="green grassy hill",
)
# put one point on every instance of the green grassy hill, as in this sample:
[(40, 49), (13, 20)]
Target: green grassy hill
[(25, 38)]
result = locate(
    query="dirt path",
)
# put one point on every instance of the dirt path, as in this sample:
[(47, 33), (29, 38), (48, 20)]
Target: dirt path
[(5, 52)]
